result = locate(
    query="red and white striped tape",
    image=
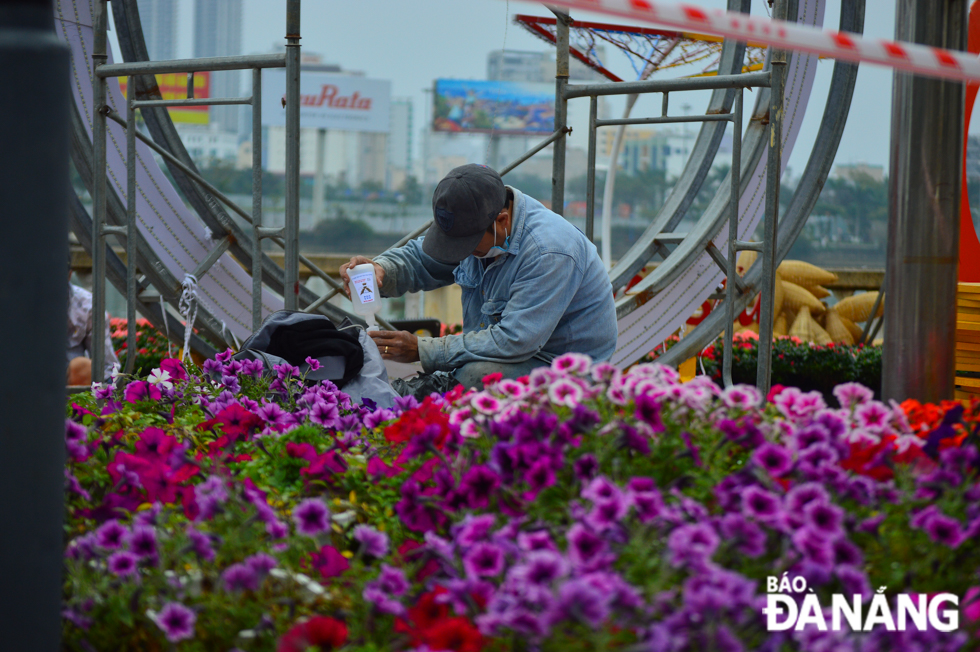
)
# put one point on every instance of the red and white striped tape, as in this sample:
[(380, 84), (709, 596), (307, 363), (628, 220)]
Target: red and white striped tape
[(909, 57)]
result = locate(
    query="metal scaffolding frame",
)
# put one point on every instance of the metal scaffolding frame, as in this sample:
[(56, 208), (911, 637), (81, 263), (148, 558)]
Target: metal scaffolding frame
[(287, 236), (728, 87)]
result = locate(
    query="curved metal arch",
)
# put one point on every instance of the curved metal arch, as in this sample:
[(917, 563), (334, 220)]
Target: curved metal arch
[(804, 198), (132, 44), (686, 188), (155, 273), (754, 144)]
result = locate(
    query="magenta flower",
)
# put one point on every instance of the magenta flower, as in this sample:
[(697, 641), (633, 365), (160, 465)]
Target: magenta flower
[(742, 397), (329, 562), (585, 549), (648, 411), (565, 392), (123, 564), (173, 367), (852, 394), (312, 517), (573, 363), (176, 621), (325, 414), (474, 529), (313, 362), (140, 390), (484, 560), (485, 403), (873, 416), (540, 476), (373, 542)]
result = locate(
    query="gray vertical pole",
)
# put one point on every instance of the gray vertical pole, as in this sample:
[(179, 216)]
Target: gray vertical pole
[(561, 106), (99, 56), (321, 147), (291, 263), (590, 171), (130, 231), (924, 212), (34, 290), (256, 198), (773, 173), (730, 286)]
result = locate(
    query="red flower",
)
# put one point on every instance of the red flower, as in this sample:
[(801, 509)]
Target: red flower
[(490, 379), (457, 634), (319, 632), (329, 562), (235, 421), (412, 422)]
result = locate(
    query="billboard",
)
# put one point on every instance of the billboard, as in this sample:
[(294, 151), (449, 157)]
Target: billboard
[(519, 108), (329, 101), (173, 86)]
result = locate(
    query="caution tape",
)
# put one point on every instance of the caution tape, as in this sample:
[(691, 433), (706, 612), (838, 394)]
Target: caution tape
[(908, 57)]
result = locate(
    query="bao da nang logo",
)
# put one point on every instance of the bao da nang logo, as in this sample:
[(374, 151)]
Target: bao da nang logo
[(785, 610)]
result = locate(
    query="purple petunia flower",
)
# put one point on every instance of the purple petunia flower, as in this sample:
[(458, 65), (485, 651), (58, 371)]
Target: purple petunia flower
[(261, 564), (846, 553), (474, 529), (585, 549), (800, 496), (111, 535), (312, 517), (532, 541), (814, 546), (540, 475), (123, 564), (692, 544), (854, 581), (743, 397), (824, 519), (176, 621), (142, 542), (478, 485), (648, 411), (373, 542), (775, 459), (240, 577), (873, 416), (540, 567), (483, 560), (586, 467), (200, 544), (761, 505), (579, 600), (945, 530), (746, 535)]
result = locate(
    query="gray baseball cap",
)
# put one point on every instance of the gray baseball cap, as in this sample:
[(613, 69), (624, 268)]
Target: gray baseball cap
[(464, 205)]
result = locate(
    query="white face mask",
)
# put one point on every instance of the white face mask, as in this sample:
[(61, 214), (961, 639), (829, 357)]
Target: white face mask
[(496, 250)]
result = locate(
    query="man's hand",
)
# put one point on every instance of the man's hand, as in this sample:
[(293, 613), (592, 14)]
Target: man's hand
[(399, 346), (379, 272)]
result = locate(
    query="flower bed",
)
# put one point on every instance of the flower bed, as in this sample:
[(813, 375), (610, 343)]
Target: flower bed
[(579, 510), (804, 365), (151, 344)]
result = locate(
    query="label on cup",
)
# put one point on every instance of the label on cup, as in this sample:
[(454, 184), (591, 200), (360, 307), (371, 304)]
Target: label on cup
[(363, 286)]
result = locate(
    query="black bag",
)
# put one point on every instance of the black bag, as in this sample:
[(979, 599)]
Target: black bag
[(293, 336), (424, 384)]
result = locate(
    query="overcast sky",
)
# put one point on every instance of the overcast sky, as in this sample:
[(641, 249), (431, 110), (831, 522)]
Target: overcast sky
[(413, 43)]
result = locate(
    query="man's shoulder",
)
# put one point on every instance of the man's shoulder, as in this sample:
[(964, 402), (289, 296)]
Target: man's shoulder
[(79, 295), (549, 232)]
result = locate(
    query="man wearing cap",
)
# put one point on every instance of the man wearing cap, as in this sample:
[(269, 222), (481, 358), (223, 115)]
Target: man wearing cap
[(533, 285)]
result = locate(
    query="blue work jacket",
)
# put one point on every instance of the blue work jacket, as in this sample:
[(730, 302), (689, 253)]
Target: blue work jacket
[(548, 295)]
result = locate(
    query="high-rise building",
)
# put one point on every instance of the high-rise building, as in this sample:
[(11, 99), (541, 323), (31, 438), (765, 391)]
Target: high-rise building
[(400, 142), (218, 33), (159, 20)]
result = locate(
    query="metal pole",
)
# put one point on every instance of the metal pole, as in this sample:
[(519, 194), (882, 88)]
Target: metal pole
[(34, 191), (590, 180), (130, 232), (773, 173), (561, 106), (99, 57), (733, 202), (321, 146), (256, 198), (291, 260), (924, 212)]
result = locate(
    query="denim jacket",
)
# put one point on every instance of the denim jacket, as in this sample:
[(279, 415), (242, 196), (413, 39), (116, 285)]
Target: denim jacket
[(548, 295)]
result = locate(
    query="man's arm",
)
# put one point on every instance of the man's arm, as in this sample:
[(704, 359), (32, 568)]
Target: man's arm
[(409, 269), (540, 295)]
